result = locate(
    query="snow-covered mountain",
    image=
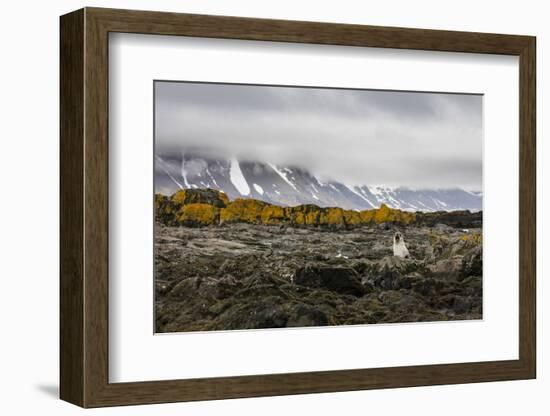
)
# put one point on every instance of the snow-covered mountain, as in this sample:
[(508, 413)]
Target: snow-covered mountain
[(287, 185)]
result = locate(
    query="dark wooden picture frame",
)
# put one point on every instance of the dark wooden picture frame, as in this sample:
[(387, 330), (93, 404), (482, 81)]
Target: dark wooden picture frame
[(84, 207)]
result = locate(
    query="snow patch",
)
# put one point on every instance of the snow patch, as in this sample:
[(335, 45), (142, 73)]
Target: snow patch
[(258, 188), (380, 190), (237, 177), (184, 172), (282, 175), (474, 193)]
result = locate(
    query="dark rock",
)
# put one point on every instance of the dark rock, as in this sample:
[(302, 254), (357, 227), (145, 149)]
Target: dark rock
[(472, 263), (401, 265), (447, 269), (403, 304), (338, 279), (201, 196), (368, 286), (426, 287), (244, 276), (206, 289), (306, 315), (364, 268), (388, 279), (269, 312), (386, 226), (456, 219), (269, 317), (391, 297), (461, 305), (185, 289), (457, 304), (405, 282), (473, 282)]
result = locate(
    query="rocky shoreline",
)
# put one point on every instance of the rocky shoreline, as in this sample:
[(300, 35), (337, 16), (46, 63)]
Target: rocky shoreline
[(250, 275)]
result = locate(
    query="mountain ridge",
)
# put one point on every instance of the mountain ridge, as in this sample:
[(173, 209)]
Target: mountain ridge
[(292, 186)]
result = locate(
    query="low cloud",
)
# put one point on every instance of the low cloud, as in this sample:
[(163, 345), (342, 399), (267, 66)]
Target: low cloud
[(409, 139)]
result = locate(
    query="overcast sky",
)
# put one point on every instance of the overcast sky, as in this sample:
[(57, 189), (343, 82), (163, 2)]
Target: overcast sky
[(419, 140)]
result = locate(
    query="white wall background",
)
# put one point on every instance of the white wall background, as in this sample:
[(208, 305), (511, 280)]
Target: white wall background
[(29, 209)]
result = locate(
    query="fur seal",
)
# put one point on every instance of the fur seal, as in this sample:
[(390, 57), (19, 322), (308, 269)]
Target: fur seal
[(399, 247)]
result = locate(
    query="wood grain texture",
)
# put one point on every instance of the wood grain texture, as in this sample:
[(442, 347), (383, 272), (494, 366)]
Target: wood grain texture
[(528, 207), (71, 208), (162, 23), (96, 219), (84, 205)]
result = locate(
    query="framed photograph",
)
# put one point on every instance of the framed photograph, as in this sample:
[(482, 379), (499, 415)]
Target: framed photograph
[(255, 207)]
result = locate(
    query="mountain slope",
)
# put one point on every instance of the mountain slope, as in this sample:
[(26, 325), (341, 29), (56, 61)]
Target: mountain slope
[(290, 186)]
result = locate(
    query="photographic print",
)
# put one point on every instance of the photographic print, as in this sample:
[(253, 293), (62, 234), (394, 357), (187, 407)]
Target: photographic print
[(290, 206)]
